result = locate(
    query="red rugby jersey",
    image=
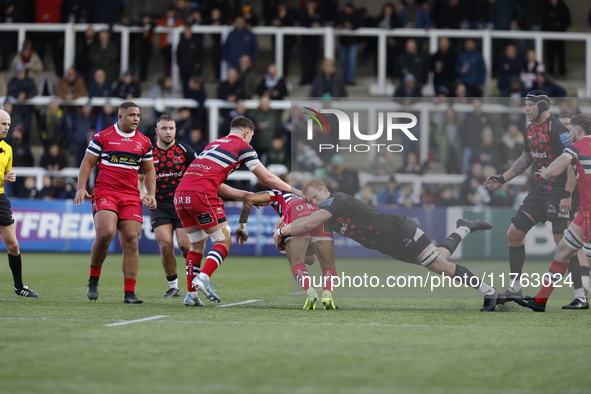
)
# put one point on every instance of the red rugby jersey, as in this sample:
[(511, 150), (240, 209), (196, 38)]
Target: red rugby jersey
[(580, 155)]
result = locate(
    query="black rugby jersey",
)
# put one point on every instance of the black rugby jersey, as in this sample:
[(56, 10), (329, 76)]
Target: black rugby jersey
[(544, 143), (170, 165)]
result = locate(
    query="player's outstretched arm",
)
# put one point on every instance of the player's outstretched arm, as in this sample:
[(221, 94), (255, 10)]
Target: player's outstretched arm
[(271, 180), (555, 168), (302, 225), (149, 199), (230, 192), (258, 199), (520, 165), (86, 166)]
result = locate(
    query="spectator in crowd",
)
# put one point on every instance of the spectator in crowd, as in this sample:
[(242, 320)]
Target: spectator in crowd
[(82, 125), (31, 60), (50, 11), (460, 94), (247, 11), (163, 89), (3, 86), (384, 164), (239, 110), (448, 143), (285, 16), (78, 11), (106, 118), (108, 11), (105, 55), (145, 45), (54, 159), (471, 69), (505, 14), (231, 89), (548, 86), (47, 192), (442, 65), (470, 132), (13, 12), (389, 194), (21, 87), (408, 87), (556, 17), (22, 156), (100, 86), (447, 14), (349, 19), (267, 126), (388, 19), (248, 76), (502, 197), (240, 41), (215, 19), (272, 84), (28, 191), (414, 15), (189, 56), (69, 191), (306, 158), (475, 13), (511, 147), (168, 20), (196, 140), (367, 195), (53, 126), (340, 178), (309, 45), (278, 155), (127, 87), (531, 21), (508, 68), (196, 92), (487, 152), (406, 197), (71, 86), (531, 68), (411, 165), (445, 198), (412, 62), (82, 60), (185, 123), (472, 192), (328, 82)]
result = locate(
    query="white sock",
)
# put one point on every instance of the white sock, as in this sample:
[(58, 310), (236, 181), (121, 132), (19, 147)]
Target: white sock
[(462, 231), (514, 286), (580, 294), (203, 276), (174, 284), (586, 283), (485, 289)]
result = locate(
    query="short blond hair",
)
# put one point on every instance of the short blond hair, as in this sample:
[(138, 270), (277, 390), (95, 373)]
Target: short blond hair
[(315, 183)]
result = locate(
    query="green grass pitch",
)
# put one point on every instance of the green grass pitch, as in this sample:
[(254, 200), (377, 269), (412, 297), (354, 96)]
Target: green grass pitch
[(418, 342)]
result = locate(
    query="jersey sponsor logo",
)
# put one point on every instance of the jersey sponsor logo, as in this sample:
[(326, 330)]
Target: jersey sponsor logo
[(202, 166), (170, 174), (224, 140), (327, 202), (538, 155), (126, 139), (114, 143), (123, 159), (204, 219)]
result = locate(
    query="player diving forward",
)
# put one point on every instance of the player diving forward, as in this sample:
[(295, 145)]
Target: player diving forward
[(318, 241), (578, 234), (397, 236)]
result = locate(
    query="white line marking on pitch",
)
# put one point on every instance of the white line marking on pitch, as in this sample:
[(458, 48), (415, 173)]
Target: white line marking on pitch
[(238, 303), (122, 323)]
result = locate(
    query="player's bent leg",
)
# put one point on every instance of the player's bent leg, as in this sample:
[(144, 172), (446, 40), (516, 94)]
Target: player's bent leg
[(559, 228), (197, 240), (463, 227), (129, 234), (325, 251), (220, 234), (295, 251)]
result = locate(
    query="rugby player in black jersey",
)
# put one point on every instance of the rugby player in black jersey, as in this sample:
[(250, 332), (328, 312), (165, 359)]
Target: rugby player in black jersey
[(545, 139), (397, 236)]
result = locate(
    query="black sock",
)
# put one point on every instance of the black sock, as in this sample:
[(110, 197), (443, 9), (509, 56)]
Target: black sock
[(172, 277), (585, 271), (575, 269), (451, 242), (467, 277), (16, 266), (516, 260)]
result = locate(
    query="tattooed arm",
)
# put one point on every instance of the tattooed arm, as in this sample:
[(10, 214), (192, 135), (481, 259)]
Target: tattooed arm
[(520, 165)]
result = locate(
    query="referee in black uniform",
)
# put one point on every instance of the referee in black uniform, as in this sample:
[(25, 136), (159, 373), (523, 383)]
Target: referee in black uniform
[(7, 228), (397, 236)]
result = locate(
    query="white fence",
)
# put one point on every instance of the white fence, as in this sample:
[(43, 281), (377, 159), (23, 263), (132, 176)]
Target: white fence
[(381, 87)]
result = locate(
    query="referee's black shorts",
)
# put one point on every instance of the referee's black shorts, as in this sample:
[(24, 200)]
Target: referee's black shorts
[(6, 218), (165, 214)]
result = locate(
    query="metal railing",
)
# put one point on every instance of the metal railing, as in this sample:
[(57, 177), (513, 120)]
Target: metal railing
[(381, 87)]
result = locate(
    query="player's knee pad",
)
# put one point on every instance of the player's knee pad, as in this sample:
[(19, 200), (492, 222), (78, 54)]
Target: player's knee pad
[(559, 226), (220, 234), (430, 256), (573, 241), (197, 236), (522, 222)]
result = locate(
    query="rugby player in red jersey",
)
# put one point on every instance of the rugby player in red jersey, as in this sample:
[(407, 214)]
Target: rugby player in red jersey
[(120, 151), (318, 242), (201, 210)]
